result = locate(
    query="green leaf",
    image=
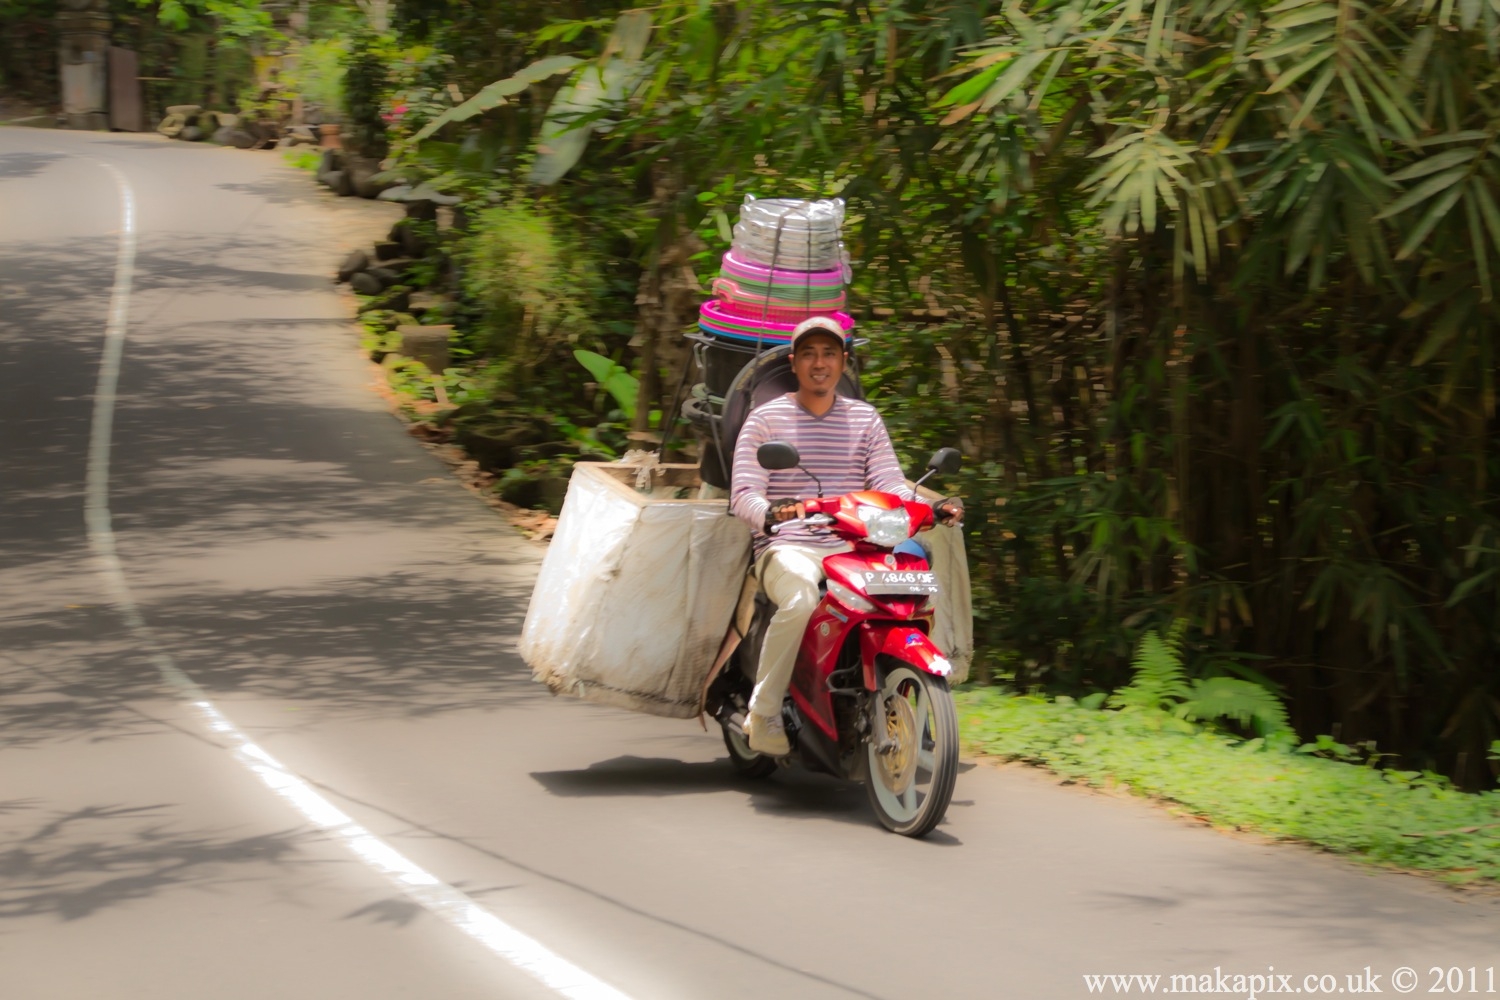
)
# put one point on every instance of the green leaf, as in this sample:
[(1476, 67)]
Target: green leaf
[(1452, 321), (565, 133), (1399, 114), (1476, 241), (1307, 228), (1314, 95), (1305, 15), (1468, 586), (1047, 78), (1226, 134), (1361, 108), (1432, 164), (658, 86), (1467, 135), (1292, 75), (1422, 192), (567, 31), (1113, 147), (1363, 238), (173, 15), (1158, 27), (1202, 233), (628, 40), (495, 94), (968, 92), (1306, 40), (1488, 209), (619, 383), (1013, 77), (1439, 210)]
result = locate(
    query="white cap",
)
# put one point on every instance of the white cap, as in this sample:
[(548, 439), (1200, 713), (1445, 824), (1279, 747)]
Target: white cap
[(818, 324)]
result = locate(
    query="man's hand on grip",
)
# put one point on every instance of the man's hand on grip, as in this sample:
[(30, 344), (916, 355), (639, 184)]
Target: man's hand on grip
[(784, 510)]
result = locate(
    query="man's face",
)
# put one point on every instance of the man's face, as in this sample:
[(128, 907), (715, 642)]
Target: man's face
[(818, 362)]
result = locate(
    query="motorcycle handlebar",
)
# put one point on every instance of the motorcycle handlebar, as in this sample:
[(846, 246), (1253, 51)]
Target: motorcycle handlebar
[(816, 520)]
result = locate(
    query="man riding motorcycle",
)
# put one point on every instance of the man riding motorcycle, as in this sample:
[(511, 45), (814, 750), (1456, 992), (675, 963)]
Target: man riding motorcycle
[(844, 443)]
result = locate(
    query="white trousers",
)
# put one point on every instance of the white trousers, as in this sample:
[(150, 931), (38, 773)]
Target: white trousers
[(789, 575)]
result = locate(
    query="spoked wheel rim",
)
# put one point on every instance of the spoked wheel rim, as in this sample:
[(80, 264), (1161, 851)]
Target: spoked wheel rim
[(912, 782)]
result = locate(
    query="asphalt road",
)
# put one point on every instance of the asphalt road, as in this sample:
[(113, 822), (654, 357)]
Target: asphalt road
[(265, 538)]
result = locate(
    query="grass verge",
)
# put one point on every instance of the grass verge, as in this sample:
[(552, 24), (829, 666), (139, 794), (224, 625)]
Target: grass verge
[(1403, 819)]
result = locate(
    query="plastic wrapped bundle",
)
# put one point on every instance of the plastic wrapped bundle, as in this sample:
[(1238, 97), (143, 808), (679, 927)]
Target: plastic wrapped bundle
[(825, 215), (791, 233), (636, 590)]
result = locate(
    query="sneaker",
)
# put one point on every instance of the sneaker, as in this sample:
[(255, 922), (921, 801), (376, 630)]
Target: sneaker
[(767, 734)]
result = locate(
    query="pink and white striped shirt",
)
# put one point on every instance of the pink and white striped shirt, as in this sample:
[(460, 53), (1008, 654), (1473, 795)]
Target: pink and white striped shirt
[(847, 448)]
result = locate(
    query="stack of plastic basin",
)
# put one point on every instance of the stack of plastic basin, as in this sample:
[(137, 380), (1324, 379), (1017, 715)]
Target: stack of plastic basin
[(787, 263), (759, 292)]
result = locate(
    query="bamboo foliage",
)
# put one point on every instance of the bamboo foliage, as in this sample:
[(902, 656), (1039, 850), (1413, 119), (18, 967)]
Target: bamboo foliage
[(1320, 181)]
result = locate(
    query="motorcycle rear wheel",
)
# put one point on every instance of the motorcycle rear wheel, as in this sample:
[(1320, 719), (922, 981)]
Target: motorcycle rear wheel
[(910, 786), (746, 761)]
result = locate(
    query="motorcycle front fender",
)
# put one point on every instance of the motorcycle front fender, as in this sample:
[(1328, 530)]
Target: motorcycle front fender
[(903, 642)]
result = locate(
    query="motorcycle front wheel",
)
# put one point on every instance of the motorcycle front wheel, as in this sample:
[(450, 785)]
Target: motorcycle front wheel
[(912, 770)]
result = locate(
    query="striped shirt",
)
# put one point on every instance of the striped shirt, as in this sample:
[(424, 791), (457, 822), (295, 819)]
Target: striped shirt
[(847, 448)]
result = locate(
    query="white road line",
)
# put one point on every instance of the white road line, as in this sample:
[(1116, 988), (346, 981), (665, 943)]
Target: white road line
[(420, 885)]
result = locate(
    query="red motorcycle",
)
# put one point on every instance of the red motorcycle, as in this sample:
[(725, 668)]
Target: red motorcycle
[(869, 697)]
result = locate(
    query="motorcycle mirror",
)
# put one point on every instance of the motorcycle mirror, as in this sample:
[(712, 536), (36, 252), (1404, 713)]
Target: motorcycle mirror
[(778, 455), (945, 460)]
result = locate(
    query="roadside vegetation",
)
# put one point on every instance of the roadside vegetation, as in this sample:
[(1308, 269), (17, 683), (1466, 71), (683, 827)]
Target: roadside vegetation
[(1221, 753), (1204, 290)]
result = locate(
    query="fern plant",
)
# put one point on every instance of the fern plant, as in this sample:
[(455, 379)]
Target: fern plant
[(1161, 685), (1160, 682), (1246, 702)]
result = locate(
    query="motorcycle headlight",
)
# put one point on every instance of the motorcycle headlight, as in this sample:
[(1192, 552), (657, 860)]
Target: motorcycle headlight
[(885, 527)]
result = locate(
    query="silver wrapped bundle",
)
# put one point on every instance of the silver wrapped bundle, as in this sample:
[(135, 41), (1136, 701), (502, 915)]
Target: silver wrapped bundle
[(791, 234)]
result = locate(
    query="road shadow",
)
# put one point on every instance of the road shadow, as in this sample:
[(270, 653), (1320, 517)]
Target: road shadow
[(14, 166), (280, 539), (175, 265), (279, 191), (382, 648), (645, 776), (792, 792), (72, 864)]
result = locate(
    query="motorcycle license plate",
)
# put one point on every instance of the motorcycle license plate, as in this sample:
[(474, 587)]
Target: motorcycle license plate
[(889, 582)]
